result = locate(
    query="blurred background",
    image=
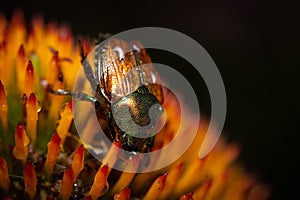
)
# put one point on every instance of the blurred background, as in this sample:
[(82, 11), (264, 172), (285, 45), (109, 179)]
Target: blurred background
[(255, 45)]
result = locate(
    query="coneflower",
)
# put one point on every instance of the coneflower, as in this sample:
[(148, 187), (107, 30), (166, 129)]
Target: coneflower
[(42, 156)]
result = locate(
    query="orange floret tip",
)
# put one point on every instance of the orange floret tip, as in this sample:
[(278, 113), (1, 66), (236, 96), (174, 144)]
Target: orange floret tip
[(3, 107), (29, 68), (70, 105), (67, 184), (2, 91), (80, 151), (21, 52), (178, 167), (203, 190), (123, 195), (19, 133), (3, 101), (52, 154), (64, 33), (104, 171), (188, 196), (172, 179), (30, 180), (88, 198), (55, 58), (78, 161), (65, 121), (56, 139), (163, 178), (117, 144), (32, 117), (99, 182), (29, 78), (156, 188), (20, 151), (32, 98), (18, 18), (3, 45), (4, 176)]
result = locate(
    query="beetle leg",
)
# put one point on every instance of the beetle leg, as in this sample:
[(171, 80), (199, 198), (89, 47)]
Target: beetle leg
[(77, 95), (88, 69), (149, 143)]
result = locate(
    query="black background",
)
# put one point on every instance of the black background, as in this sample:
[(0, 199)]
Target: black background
[(256, 48)]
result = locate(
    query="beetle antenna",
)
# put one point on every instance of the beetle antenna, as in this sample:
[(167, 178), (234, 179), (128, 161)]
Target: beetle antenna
[(82, 55)]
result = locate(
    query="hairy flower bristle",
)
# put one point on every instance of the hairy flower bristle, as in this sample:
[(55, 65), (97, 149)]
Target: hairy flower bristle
[(32, 109), (52, 154), (65, 121), (99, 182), (20, 150), (37, 130), (3, 107), (188, 196), (4, 176), (30, 180), (29, 79), (67, 184), (123, 195), (156, 188), (78, 161)]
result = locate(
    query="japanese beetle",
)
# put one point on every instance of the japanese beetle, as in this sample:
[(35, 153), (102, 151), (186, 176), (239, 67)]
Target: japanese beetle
[(123, 80)]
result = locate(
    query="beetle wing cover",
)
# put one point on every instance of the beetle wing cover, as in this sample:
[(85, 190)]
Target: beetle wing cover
[(119, 72)]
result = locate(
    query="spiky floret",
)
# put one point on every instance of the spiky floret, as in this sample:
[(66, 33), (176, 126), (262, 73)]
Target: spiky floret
[(41, 155)]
